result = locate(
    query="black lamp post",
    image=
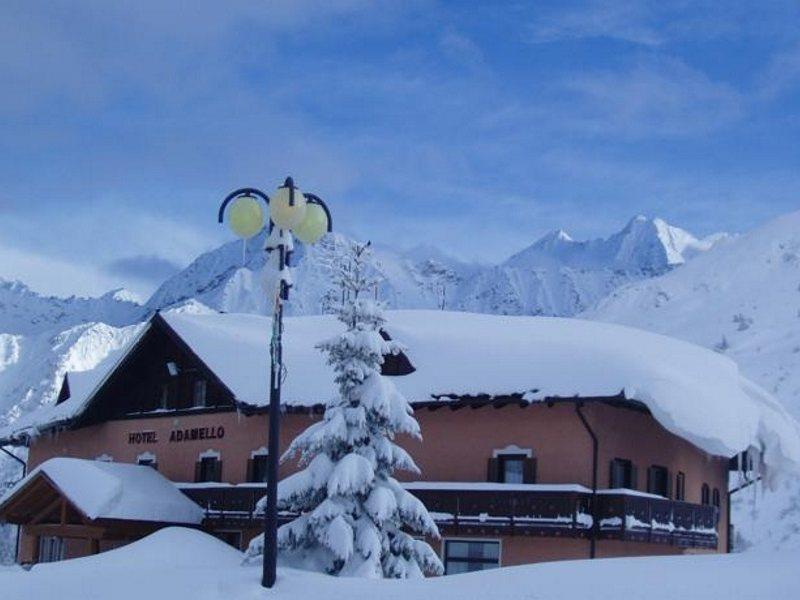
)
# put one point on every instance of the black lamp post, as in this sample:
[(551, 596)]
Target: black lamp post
[(291, 214)]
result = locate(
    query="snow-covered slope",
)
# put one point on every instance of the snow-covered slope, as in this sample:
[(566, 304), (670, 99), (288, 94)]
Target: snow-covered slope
[(742, 299), (31, 367), (555, 276)]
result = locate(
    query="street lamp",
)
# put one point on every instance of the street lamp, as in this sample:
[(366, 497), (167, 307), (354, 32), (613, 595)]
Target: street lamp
[(291, 214)]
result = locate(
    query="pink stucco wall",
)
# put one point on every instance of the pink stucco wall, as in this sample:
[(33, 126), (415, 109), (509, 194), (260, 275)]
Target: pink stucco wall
[(455, 447)]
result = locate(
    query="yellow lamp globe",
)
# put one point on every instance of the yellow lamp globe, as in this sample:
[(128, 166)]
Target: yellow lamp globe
[(246, 216), (284, 214), (313, 226)]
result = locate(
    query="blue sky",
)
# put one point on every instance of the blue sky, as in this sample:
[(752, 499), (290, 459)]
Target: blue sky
[(473, 126)]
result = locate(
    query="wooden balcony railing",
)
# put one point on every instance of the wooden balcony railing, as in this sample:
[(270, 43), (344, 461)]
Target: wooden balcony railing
[(500, 509)]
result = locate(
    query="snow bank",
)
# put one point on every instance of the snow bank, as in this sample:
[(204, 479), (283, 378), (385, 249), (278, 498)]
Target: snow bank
[(107, 490), (693, 392), (179, 563)]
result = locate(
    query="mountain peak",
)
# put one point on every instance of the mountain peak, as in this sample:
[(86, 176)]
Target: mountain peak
[(552, 238), (643, 245), (121, 295)]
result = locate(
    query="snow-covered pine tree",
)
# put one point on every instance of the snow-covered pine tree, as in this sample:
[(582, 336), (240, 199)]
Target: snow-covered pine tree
[(355, 517)]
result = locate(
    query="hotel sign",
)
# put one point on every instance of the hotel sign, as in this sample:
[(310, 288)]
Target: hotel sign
[(193, 434)]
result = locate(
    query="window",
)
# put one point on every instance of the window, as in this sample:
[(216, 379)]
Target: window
[(658, 481), (715, 497), (512, 468), (464, 556), (199, 393), (257, 468), (704, 495), (622, 474), (680, 486), (147, 459), (164, 396), (208, 468), (51, 549), (512, 464)]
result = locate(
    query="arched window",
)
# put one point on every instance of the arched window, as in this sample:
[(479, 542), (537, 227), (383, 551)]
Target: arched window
[(715, 497), (705, 495)]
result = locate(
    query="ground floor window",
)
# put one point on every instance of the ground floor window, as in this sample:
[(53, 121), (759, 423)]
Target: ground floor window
[(51, 548), (464, 556)]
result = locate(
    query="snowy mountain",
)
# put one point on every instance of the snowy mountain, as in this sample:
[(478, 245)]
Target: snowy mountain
[(23, 311), (644, 245), (743, 299), (554, 276)]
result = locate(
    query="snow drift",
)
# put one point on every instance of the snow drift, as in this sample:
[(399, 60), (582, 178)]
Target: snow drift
[(204, 567)]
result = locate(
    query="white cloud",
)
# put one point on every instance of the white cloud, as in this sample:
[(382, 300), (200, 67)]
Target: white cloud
[(662, 97), (656, 23), (628, 20), (52, 275), (461, 49), (781, 76)]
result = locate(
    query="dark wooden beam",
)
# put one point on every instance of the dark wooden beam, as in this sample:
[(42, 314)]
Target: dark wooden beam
[(67, 531), (46, 511)]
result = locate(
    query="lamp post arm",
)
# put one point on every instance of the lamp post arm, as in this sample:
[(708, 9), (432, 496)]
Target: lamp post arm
[(314, 199), (240, 192)]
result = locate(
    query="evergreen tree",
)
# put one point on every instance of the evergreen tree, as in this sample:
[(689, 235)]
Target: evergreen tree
[(354, 516)]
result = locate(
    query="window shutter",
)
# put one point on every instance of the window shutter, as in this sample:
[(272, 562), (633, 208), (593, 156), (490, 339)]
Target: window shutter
[(650, 480), (493, 470), (197, 471), (634, 477), (669, 484), (251, 469), (218, 471), (611, 482), (529, 470)]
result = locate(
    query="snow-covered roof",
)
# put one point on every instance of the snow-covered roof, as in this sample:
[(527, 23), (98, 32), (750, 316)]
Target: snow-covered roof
[(693, 392), (108, 490)]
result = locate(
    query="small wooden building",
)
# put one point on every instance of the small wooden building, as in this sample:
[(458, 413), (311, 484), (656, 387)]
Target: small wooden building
[(543, 439)]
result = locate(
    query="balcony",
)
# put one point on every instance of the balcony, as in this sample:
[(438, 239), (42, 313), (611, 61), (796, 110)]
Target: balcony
[(656, 520), (484, 509)]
